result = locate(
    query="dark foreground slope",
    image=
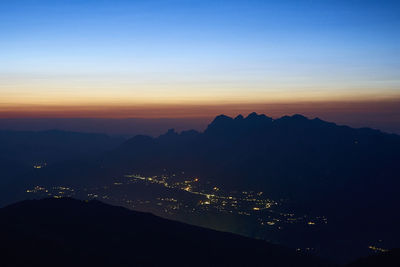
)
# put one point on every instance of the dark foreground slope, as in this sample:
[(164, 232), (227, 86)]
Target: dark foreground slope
[(387, 259), (67, 232)]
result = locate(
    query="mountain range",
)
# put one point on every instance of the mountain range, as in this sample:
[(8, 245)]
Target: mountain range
[(292, 157), (349, 175)]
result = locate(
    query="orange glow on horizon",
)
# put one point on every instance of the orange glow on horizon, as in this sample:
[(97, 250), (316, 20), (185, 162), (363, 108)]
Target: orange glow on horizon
[(273, 109)]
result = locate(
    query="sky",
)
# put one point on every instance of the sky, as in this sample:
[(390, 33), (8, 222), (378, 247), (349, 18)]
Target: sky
[(189, 58)]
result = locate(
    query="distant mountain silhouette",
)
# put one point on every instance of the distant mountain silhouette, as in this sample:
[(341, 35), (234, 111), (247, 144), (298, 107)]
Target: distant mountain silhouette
[(67, 232), (349, 175), (287, 157), (20, 151), (53, 145)]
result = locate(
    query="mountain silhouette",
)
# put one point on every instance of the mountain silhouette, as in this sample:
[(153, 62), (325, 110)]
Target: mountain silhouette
[(21, 151), (349, 175), (29, 147), (316, 167), (287, 157), (68, 232)]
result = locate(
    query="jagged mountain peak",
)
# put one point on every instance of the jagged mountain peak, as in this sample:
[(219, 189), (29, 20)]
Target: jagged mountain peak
[(239, 117)]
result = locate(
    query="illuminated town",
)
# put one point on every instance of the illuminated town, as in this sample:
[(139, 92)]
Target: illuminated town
[(197, 199), (192, 200), (179, 197)]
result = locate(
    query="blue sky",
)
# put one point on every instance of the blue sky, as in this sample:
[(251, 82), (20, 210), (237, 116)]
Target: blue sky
[(197, 51)]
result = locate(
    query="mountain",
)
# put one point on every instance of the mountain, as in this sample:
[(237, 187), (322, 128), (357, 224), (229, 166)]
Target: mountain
[(24, 153), (291, 156), (315, 168), (68, 232), (51, 146), (348, 175)]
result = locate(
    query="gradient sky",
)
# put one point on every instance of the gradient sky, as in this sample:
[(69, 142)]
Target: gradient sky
[(73, 58)]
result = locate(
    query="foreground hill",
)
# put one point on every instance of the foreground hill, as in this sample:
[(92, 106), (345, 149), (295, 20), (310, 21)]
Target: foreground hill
[(67, 232), (386, 259)]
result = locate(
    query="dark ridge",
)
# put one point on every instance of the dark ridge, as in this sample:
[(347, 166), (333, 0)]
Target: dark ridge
[(252, 115), (239, 117), (76, 233), (222, 117)]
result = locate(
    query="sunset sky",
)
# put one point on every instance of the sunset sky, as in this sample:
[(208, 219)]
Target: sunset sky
[(189, 58)]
